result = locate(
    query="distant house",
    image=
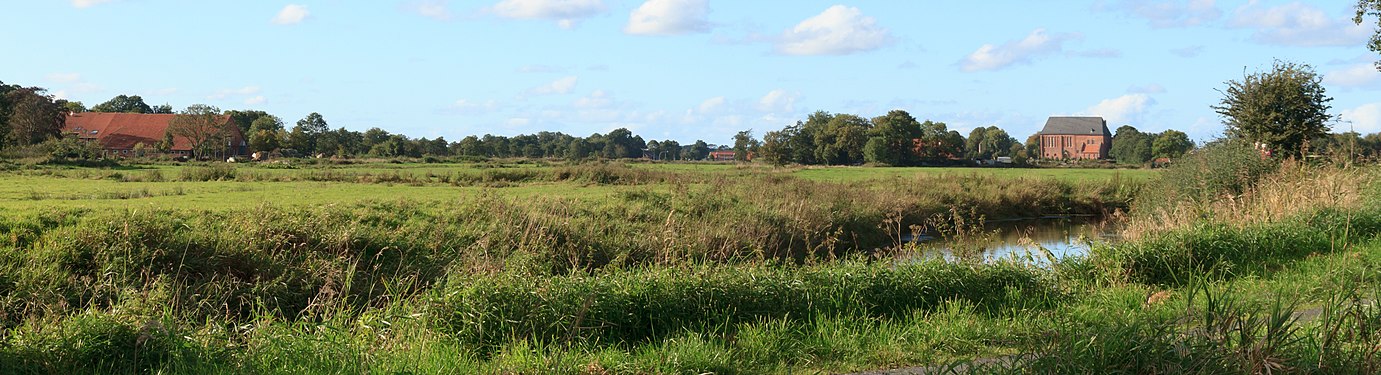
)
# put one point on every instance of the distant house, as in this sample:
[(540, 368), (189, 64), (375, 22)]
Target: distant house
[(722, 155), (1075, 138), (120, 133)]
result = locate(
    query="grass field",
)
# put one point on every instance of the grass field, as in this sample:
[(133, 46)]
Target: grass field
[(612, 268), (163, 186)]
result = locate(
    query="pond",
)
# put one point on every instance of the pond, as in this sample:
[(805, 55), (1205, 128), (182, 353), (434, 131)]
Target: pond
[(1020, 239)]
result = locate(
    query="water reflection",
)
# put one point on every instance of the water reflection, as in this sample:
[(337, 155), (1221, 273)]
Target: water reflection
[(1020, 240)]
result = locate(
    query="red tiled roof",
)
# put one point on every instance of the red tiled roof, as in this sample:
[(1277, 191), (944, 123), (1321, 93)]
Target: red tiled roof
[(119, 131), (1091, 148)]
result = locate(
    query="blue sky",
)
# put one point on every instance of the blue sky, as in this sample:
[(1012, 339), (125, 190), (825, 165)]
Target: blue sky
[(686, 69)]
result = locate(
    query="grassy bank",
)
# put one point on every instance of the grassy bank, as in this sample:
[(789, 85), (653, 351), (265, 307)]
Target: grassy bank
[(598, 269)]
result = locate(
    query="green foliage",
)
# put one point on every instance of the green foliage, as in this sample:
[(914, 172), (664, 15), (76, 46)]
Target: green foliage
[(204, 127), (1171, 144), (1219, 170), (1130, 146), (1284, 108), (1371, 8), (72, 148), (124, 104)]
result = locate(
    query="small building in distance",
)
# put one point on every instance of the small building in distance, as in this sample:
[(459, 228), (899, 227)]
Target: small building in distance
[(121, 134), (723, 155), (1075, 138)]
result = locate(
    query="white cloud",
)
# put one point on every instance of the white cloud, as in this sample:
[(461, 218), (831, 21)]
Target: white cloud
[(466, 106), (1121, 110), (256, 100), (64, 77), (1298, 24), (435, 9), (777, 101), (566, 13), (560, 86), (519, 121), (711, 105), (839, 30), (669, 17), (596, 99), (60, 94), (1172, 13), (1354, 76), (1038, 43), (1365, 119), (291, 14), (82, 4)]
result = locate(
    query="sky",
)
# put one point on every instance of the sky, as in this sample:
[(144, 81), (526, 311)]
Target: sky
[(687, 69)]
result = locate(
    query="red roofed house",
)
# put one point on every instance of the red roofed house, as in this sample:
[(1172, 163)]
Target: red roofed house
[(119, 133), (1075, 138)]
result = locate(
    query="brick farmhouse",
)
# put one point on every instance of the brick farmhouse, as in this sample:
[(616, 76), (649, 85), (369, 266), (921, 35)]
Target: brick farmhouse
[(122, 134), (1075, 138)]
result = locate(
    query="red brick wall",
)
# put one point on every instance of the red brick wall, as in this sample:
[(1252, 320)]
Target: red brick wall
[(1059, 146)]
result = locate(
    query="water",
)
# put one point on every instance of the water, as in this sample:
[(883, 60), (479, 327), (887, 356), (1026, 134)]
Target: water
[(1021, 240)]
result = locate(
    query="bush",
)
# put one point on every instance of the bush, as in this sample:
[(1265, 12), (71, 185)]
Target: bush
[(1219, 170), (213, 172)]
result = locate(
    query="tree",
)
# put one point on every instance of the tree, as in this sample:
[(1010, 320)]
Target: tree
[(1171, 144), (699, 151), (305, 135), (1033, 146), (203, 126), (1282, 109), (71, 106), (245, 119), (124, 104), (31, 117), (1127, 146), (1371, 8), (997, 143), (893, 139), (744, 144), (266, 133), (842, 139)]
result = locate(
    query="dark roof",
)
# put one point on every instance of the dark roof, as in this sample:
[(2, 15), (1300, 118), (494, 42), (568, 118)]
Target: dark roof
[(124, 130), (1076, 126)]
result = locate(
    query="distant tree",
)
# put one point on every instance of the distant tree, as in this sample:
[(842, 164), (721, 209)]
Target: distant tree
[(841, 140), (203, 126), (672, 150), (305, 135), (245, 119), (72, 106), (1130, 146), (32, 117), (744, 143), (165, 109), (1371, 8), (700, 150), (973, 145), (469, 146), (1171, 144), (938, 142), (1033, 146), (1282, 109), (775, 146), (266, 133), (893, 139), (124, 104), (997, 142), (578, 149)]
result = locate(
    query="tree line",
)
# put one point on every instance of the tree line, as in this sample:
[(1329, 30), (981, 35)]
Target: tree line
[(29, 116)]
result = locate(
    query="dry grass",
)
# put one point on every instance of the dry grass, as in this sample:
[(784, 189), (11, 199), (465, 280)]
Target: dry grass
[(1293, 189)]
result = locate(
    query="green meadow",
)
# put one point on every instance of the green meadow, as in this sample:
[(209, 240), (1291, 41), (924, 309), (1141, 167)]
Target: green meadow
[(536, 267)]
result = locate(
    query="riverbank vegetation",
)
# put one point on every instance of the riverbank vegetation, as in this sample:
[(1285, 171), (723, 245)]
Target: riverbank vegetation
[(674, 268)]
